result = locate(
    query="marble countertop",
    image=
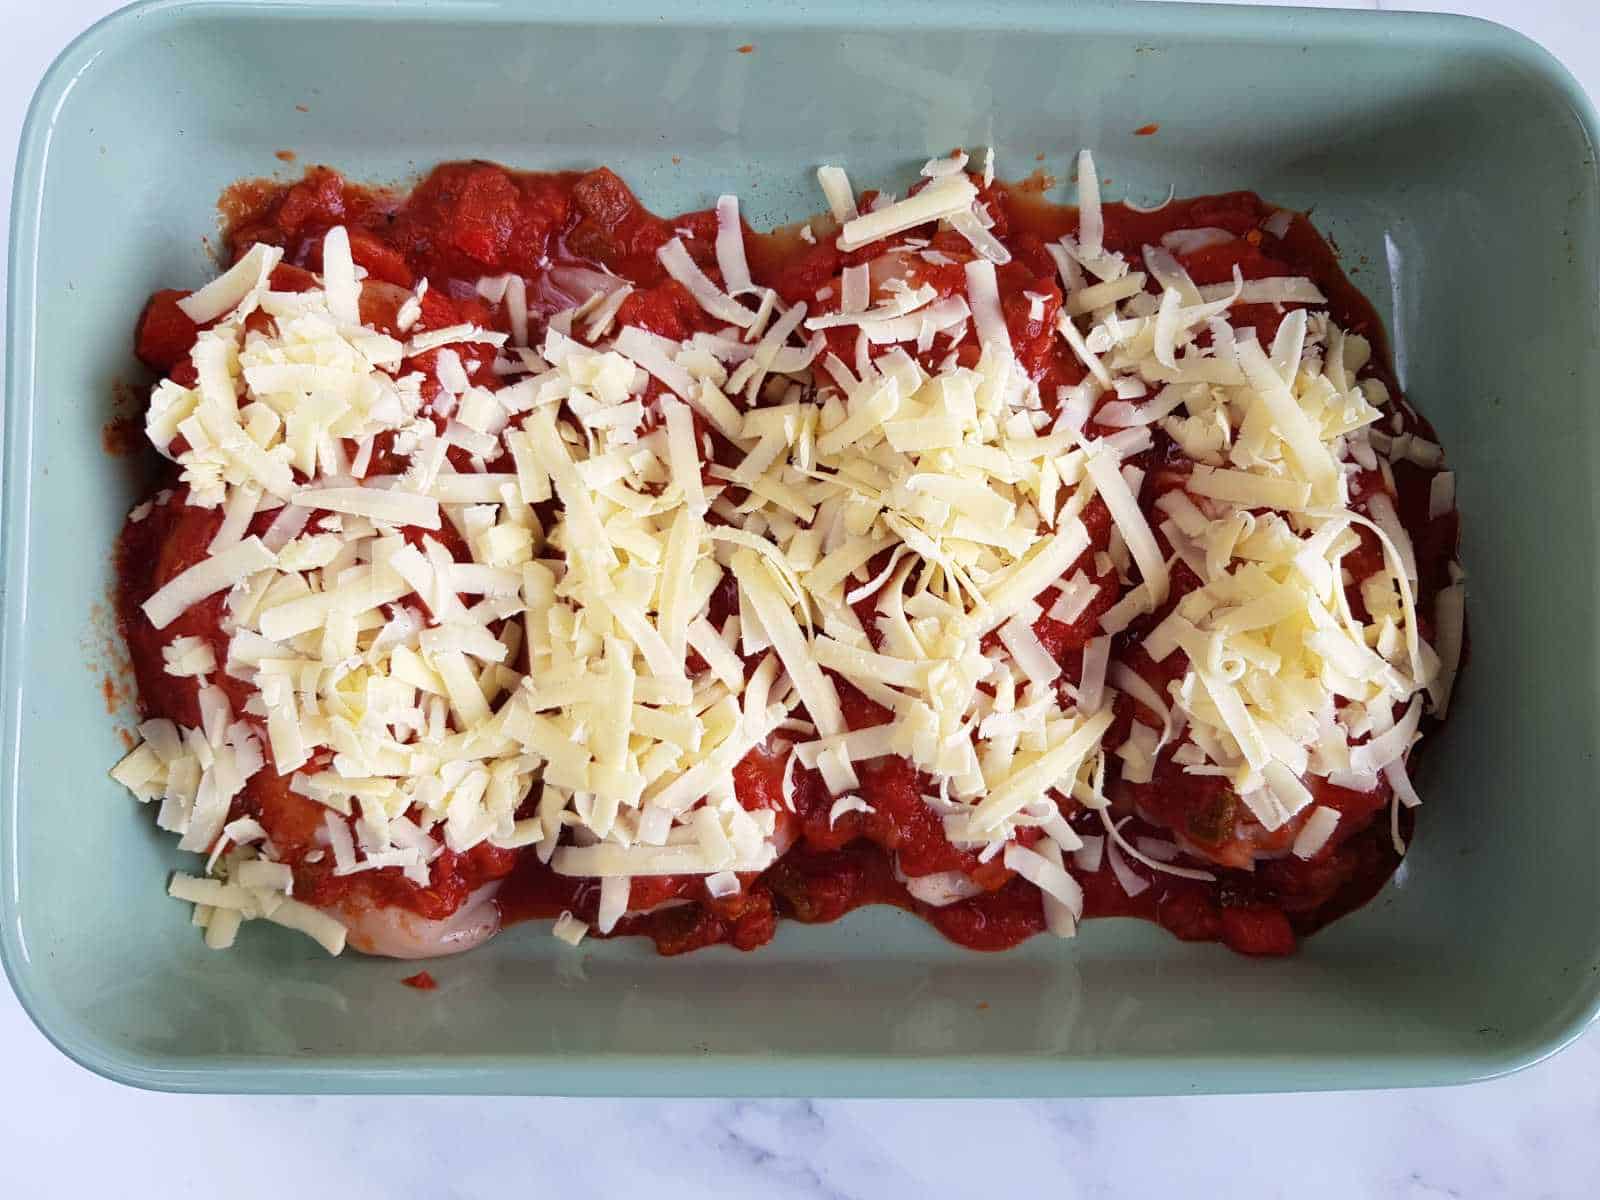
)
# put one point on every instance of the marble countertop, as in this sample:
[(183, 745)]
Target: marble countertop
[(65, 1132)]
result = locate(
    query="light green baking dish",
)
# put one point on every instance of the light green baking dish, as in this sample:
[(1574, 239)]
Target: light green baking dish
[(1453, 161)]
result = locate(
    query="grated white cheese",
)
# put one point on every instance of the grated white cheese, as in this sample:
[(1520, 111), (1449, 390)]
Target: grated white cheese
[(206, 578), (1316, 831), (731, 259), (224, 293), (872, 522), (677, 263), (942, 198), (840, 195)]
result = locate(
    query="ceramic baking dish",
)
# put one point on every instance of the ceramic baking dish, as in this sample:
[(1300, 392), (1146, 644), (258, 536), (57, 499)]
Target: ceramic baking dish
[(1452, 161)]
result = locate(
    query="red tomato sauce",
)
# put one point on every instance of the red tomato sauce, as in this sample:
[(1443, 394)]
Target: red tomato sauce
[(468, 220)]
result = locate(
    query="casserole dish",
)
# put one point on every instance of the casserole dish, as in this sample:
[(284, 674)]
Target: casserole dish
[(1451, 161)]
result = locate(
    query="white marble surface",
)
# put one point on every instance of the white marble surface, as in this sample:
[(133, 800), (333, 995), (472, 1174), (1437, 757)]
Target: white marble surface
[(64, 1132)]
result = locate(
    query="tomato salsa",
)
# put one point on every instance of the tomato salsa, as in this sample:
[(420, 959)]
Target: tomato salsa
[(466, 221)]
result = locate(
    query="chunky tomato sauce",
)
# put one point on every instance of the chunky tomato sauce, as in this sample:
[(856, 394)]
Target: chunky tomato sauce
[(468, 220)]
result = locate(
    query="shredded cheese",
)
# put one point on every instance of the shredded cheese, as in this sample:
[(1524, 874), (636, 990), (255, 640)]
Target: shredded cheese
[(889, 528), (942, 198)]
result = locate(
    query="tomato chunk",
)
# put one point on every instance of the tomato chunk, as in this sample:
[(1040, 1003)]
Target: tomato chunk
[(165, 334)]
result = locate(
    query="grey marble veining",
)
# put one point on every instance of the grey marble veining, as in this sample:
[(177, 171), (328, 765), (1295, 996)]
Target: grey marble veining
[(1526, 1137)]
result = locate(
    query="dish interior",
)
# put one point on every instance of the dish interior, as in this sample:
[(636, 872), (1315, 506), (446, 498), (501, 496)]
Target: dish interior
[(1449, 162)]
